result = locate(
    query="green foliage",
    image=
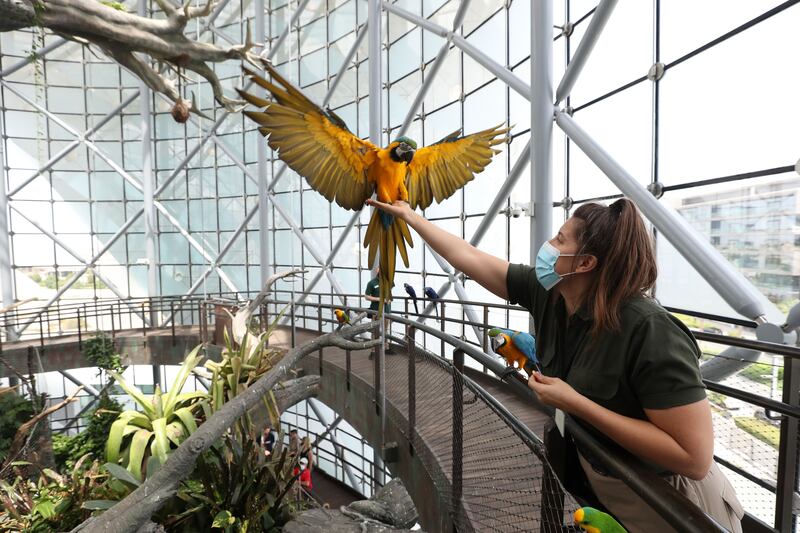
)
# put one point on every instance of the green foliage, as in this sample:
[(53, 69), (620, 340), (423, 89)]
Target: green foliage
[(100, 352), (56, 502), (762, 373), (763, 431), (50, 281), (165, 421), (119, 6), (234, 489), (92, 440), (14, 411)]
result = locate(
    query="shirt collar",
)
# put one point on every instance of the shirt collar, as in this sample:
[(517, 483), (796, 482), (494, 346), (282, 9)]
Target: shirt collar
[(584, 312)]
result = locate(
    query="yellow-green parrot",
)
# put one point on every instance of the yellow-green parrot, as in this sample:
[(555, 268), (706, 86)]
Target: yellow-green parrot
[(341, 317), (316, 144), (591, 520)]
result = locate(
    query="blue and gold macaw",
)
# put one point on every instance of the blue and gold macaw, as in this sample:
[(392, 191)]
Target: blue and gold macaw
[(316, 144), (517, 348)]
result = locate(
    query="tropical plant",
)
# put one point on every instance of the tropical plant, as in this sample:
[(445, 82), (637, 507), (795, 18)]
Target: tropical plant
[(165, 421), (92, 440), (56, 502), (233, 488), (14, 411), (100, 352)]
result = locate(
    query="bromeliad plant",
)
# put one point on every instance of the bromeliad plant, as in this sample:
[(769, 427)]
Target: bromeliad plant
[(145, 438), (233, 488)]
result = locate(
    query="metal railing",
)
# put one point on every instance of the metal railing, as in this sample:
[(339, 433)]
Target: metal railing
[(115, 316)]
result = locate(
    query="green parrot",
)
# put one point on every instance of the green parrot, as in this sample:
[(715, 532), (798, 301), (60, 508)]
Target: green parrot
[(591, 520)]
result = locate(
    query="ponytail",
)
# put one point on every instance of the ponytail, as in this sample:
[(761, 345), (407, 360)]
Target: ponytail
[(618, 238)]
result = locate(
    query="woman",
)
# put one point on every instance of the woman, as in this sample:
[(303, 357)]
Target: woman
[(612, 356), (306, 452)]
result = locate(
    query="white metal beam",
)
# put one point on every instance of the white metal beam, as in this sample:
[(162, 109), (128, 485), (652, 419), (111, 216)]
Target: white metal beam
[(6, 273), (468, 48), (541, 223), (589, 39), (264, 241), (338, 447), (38, 54), (734, 288)]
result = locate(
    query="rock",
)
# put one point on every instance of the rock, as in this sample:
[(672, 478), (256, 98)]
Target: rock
[(330, 521), (391, 505), (390, 511)]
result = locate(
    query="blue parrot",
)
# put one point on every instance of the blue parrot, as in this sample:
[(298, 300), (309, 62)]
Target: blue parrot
[(430, 293), (516, 347), (411, 292)]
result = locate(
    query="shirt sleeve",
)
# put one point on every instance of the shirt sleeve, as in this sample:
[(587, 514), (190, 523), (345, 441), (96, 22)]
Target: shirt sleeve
[(523, 287), (665, 370)]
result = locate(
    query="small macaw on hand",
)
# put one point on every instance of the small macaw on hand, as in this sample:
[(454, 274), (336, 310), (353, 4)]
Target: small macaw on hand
[(413, 294), (516, 347), (316, 144), (341, 317), (591, 520)]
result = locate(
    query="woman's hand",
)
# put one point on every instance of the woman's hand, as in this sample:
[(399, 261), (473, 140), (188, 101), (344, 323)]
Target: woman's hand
[(554, 392), (399, 208)]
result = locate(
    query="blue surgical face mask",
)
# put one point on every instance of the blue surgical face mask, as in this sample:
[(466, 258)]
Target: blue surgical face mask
[(546, 265)]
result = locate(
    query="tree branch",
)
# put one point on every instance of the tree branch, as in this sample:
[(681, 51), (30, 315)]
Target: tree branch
[(121, 34), (137, 508), (24, 429)]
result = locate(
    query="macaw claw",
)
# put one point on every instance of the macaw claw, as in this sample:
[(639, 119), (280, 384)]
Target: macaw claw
[(507, 373)]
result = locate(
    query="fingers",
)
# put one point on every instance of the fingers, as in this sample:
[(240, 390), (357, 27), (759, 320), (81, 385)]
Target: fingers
[(541, 378), (375, 203)]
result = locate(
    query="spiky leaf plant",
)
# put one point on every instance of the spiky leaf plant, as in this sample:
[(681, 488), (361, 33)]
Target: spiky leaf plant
[(165, 421)]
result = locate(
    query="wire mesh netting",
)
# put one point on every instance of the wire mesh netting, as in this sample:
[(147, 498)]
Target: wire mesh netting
[(503, 484), (747, 436)]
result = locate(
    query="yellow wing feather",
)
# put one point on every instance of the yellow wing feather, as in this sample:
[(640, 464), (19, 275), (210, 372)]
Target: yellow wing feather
[(439, 170), (314, 143)]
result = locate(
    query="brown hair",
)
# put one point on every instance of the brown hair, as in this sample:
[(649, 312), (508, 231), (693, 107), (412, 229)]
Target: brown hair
[(626, 263)]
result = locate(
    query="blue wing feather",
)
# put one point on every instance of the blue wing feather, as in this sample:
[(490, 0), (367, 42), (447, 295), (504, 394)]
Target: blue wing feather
[(524, 342)]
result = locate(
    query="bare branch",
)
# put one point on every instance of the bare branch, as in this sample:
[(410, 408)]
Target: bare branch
[(120, 34), (24, 429)]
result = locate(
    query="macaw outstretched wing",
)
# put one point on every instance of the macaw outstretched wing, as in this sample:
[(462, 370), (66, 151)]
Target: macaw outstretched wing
[(439, 170), (314, 143)]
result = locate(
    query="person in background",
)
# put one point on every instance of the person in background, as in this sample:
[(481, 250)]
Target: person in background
[(371, 293), (268, 440), (306, 451), (294, 444)]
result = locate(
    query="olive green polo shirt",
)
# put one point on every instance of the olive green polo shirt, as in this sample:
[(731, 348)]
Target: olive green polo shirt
[(650, 363), (373, 289)]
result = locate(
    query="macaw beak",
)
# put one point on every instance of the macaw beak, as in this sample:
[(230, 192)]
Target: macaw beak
[(405, 152), (497, 342)]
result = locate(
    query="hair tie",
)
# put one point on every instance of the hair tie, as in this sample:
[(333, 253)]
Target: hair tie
[(616, 207)]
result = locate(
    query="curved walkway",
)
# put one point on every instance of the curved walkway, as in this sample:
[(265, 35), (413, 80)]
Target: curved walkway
[(502, 480)]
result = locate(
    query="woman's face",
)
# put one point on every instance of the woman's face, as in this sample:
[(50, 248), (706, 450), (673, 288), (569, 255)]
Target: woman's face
[(566, 242)]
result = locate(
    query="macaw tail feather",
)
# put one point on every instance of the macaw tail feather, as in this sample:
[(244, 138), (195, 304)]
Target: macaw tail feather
[(389, 238), (386, 219)]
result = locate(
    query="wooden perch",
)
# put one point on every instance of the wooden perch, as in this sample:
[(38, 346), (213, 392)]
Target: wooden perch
[(122, 35), (137, 508)]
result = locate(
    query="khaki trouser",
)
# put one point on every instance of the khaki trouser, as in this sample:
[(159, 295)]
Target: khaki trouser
[(714, 494)]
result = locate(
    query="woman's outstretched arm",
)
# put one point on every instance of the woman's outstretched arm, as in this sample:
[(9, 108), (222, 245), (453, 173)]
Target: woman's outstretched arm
[(489, 271)]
